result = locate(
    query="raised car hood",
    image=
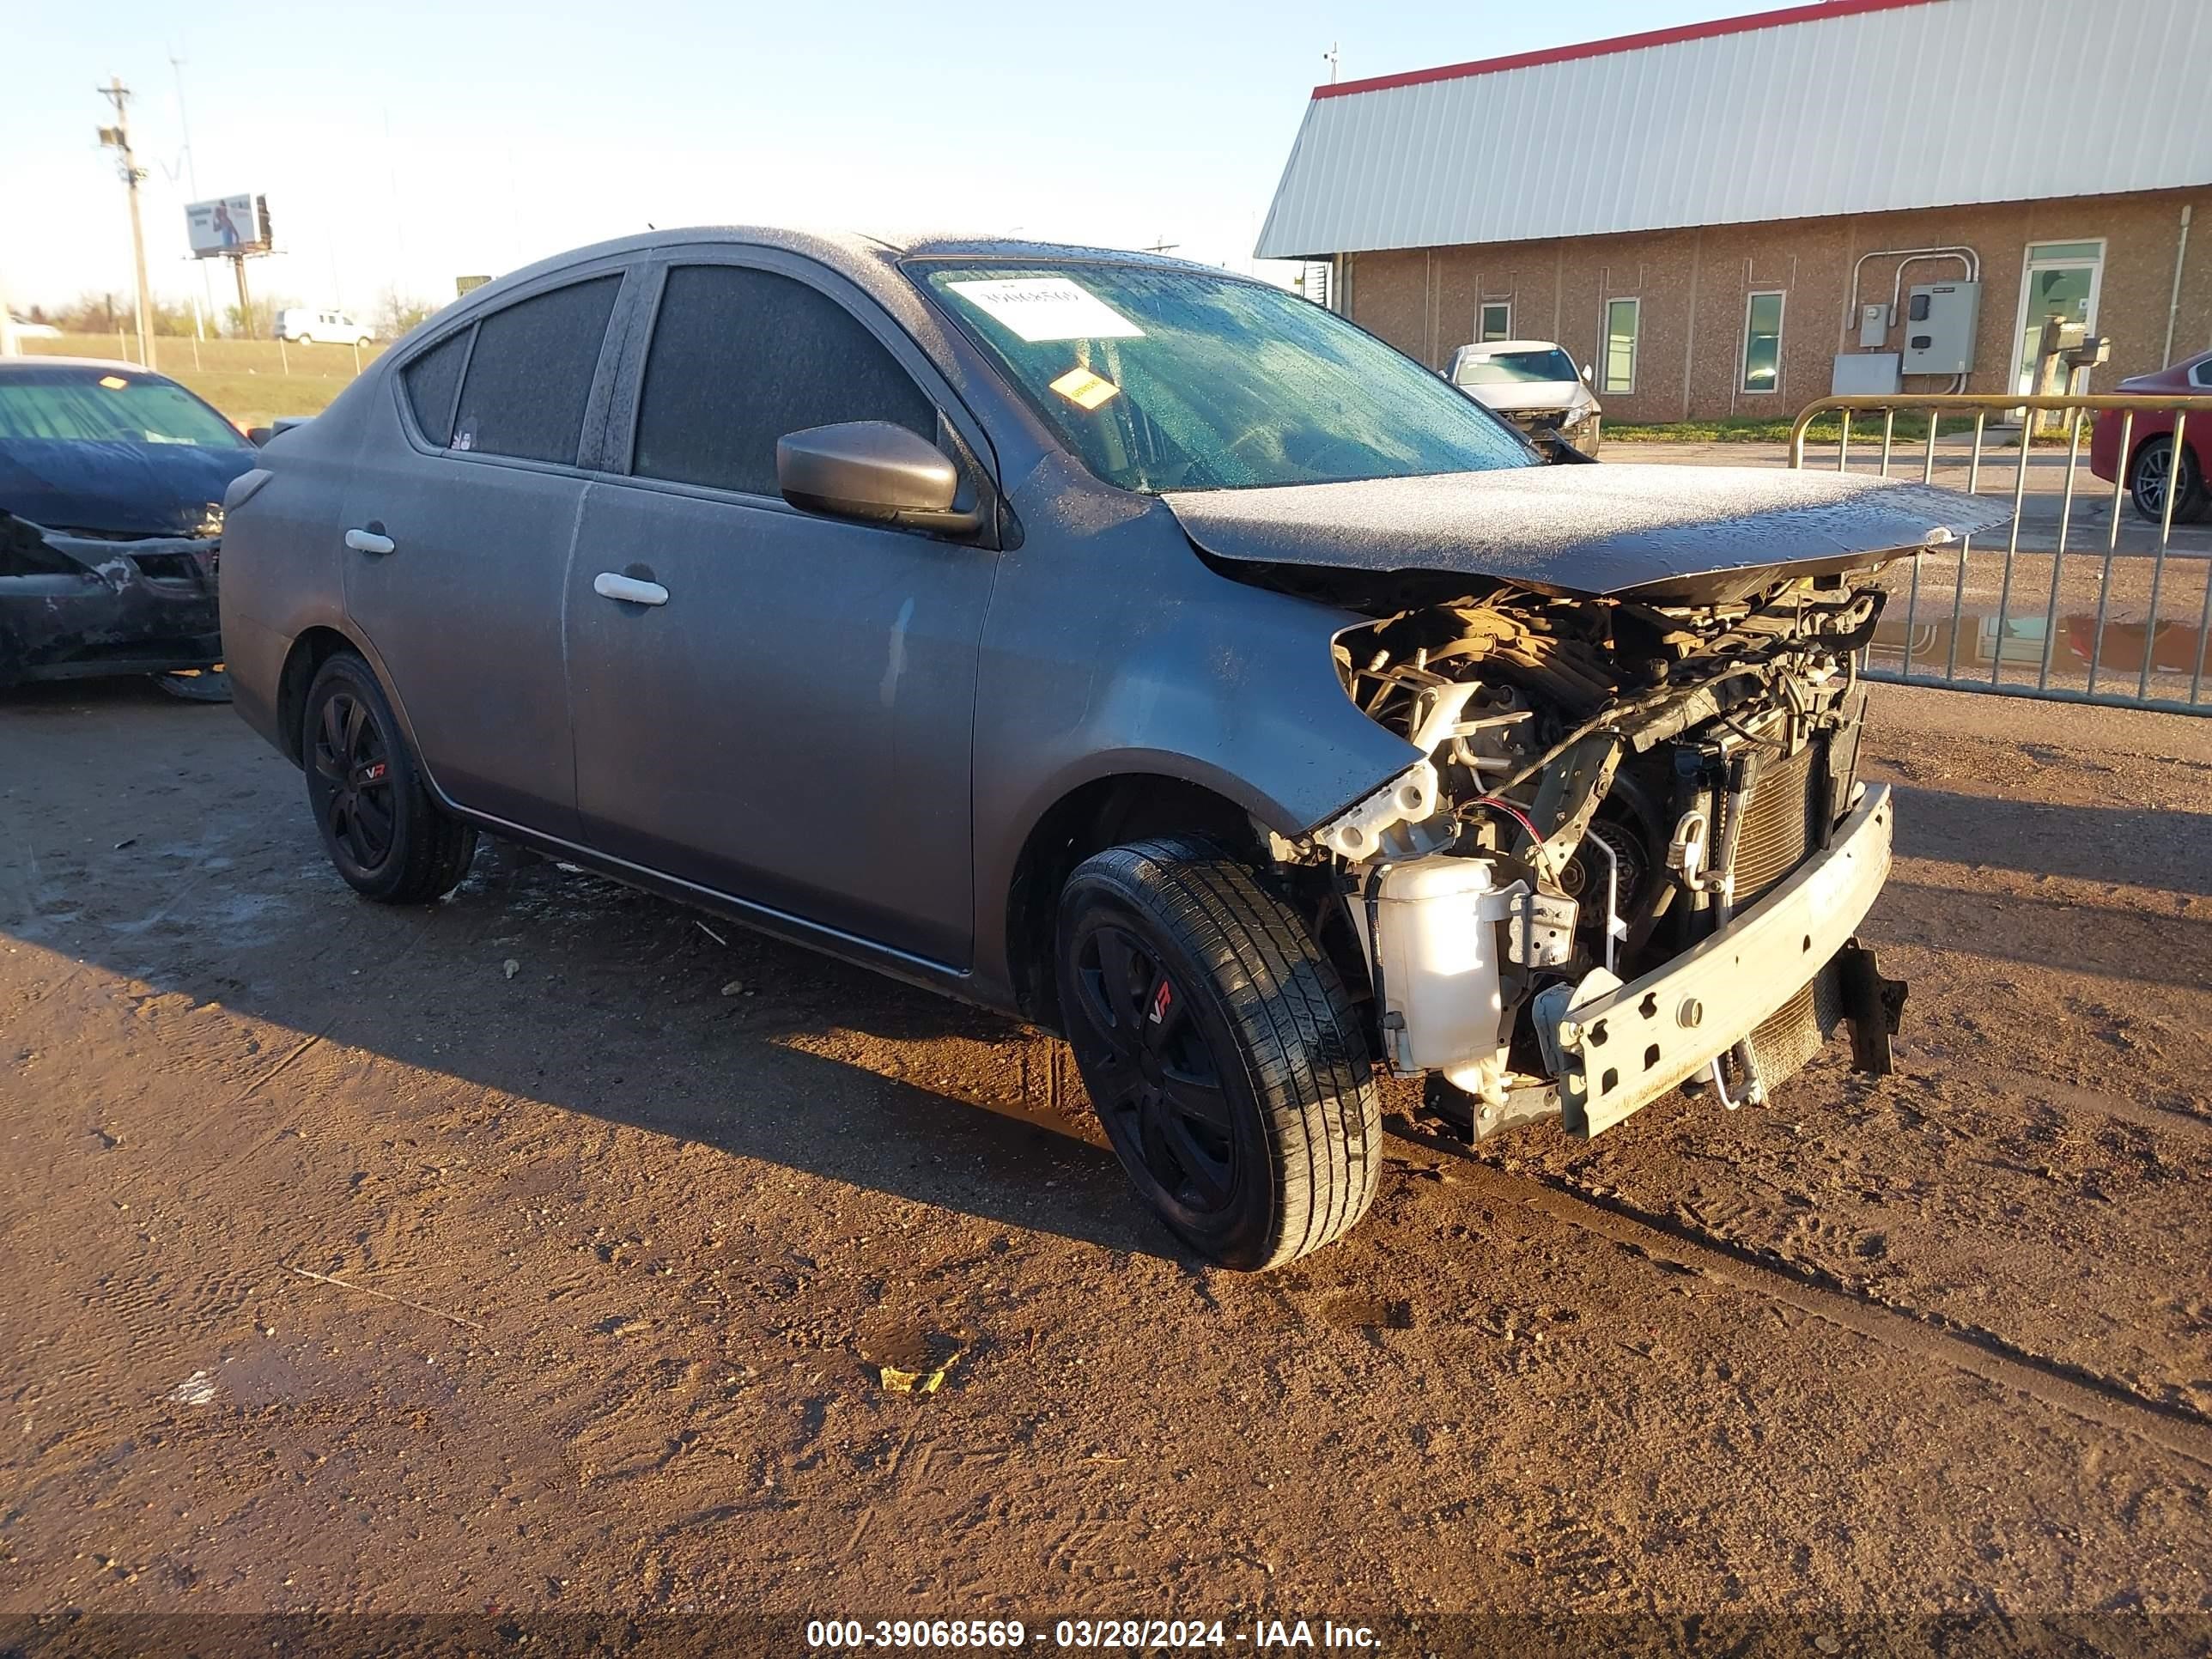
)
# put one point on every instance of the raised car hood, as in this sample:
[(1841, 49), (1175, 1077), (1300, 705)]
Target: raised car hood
[(1692, 534)]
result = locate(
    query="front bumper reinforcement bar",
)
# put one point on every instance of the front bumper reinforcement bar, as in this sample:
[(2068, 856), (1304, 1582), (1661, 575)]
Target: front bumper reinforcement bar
[(1626, 1047)]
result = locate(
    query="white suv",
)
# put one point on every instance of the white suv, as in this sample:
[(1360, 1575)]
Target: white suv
[(331, 327), (1533, 384)]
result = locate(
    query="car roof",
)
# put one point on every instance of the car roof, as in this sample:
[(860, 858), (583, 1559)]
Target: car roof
[(42, 359), (1514, 345), (867, 258)]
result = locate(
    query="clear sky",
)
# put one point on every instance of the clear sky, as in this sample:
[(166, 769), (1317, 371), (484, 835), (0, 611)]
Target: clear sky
[(411, 141)]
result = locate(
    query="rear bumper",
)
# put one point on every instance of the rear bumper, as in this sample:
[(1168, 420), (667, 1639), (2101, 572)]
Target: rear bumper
[(1623, 1049)]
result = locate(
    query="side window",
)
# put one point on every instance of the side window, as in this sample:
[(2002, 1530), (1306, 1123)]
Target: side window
[(532, 371), (2202, 374), (431, 381), (739, 357)]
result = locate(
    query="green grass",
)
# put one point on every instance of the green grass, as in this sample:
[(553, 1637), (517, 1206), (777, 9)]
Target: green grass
[(1866, 429), (252, 381)]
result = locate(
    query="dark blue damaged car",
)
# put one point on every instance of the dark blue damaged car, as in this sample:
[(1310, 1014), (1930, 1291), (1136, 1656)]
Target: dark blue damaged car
[(1123, 644), (111, 481)]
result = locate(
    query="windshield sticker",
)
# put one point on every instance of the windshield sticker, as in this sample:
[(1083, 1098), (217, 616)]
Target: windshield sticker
[(1084, 389), (1044, 308)]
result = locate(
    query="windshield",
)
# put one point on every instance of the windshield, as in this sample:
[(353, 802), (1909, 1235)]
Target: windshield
[(1513, 367), (1171, 380), (104, 405)]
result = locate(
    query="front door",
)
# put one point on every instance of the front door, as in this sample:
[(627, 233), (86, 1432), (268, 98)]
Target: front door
[(790, 725), (2061, 280)]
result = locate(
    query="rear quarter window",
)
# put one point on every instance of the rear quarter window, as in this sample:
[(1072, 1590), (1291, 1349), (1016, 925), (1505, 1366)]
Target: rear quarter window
[(530, 373), (431, 381)]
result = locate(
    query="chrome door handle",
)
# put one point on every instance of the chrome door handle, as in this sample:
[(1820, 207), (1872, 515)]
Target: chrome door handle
[(608, 585), (368, 541)]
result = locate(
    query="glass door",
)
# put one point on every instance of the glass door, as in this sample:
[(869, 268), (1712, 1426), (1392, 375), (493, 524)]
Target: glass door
[(2061, 280)]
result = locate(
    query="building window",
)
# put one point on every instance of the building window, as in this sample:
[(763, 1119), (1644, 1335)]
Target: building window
[(1621, 319), (1496, 322), (1762, 342)]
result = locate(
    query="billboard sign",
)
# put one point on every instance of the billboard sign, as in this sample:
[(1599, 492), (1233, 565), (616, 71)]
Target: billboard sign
[(465, 286), (228, 224)]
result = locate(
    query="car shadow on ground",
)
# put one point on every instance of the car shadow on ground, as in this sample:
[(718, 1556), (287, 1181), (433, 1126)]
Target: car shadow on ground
[(163, 843)]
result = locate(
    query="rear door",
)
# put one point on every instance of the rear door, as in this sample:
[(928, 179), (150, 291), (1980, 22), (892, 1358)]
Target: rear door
[(479, 504), (793, 725)]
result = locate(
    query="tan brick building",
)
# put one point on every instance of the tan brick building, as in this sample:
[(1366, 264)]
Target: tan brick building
[(1743, 193)]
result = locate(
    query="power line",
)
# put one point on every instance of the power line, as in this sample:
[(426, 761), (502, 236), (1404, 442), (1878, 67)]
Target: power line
[(191, 178), (118, 138)]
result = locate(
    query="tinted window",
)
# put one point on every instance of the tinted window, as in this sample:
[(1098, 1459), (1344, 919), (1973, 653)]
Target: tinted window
[(431, 381), (741, 357), (530, 373)]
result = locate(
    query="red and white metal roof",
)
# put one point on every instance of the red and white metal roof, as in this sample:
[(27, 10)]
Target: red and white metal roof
[(1845, 106)]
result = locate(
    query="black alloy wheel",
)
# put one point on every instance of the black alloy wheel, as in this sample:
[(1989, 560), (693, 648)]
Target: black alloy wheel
[(387, 837), (352, 758), (1159, 1085), (1225, 1058)]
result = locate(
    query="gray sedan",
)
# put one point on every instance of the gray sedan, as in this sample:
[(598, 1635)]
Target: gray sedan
[(1125, 645)]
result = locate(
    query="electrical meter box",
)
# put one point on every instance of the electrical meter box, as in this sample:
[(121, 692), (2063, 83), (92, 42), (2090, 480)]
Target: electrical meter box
[(1940, 318)]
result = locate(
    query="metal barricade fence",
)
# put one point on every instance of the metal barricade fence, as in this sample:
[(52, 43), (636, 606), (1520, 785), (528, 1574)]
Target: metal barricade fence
[(2124, 621)]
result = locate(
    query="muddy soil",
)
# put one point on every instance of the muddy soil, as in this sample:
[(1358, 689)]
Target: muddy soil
[(545, 1248)]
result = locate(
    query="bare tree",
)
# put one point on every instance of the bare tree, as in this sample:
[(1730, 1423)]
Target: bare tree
[(397, 312)]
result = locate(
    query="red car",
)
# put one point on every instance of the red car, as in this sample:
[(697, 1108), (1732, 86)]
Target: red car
[(2151, 462)]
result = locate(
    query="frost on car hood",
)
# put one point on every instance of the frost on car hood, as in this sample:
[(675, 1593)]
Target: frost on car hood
[(1652, 530)]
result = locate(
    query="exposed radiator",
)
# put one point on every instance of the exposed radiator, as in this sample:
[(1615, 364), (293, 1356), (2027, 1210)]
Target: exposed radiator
[(1780, 830)]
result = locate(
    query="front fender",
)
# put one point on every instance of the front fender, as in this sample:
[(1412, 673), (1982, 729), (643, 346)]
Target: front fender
[(1113, 649)]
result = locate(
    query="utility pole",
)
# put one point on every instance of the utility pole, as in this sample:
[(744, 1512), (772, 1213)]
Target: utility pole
[(118, 138)]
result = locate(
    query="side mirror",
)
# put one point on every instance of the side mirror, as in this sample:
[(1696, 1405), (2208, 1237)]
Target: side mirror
[(1586, 372), (872, 470), (259, 436)]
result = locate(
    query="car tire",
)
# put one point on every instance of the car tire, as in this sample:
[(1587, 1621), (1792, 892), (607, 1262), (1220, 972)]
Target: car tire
[(385, 834), (1220, 1050), (2147, 480)]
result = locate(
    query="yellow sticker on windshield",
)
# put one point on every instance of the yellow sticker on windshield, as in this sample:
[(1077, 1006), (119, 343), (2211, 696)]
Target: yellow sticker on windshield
[(1084, 389), (113, 382)]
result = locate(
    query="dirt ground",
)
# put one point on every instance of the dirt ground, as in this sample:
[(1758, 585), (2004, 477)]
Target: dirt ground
[(541, 1250)]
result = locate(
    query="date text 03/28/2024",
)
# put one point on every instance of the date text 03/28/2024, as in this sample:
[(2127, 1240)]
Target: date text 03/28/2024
[(847, 1635)]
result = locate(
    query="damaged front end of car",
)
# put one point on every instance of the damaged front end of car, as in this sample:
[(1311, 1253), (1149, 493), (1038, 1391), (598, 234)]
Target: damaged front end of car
[(1633, 854), (74, 605)]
